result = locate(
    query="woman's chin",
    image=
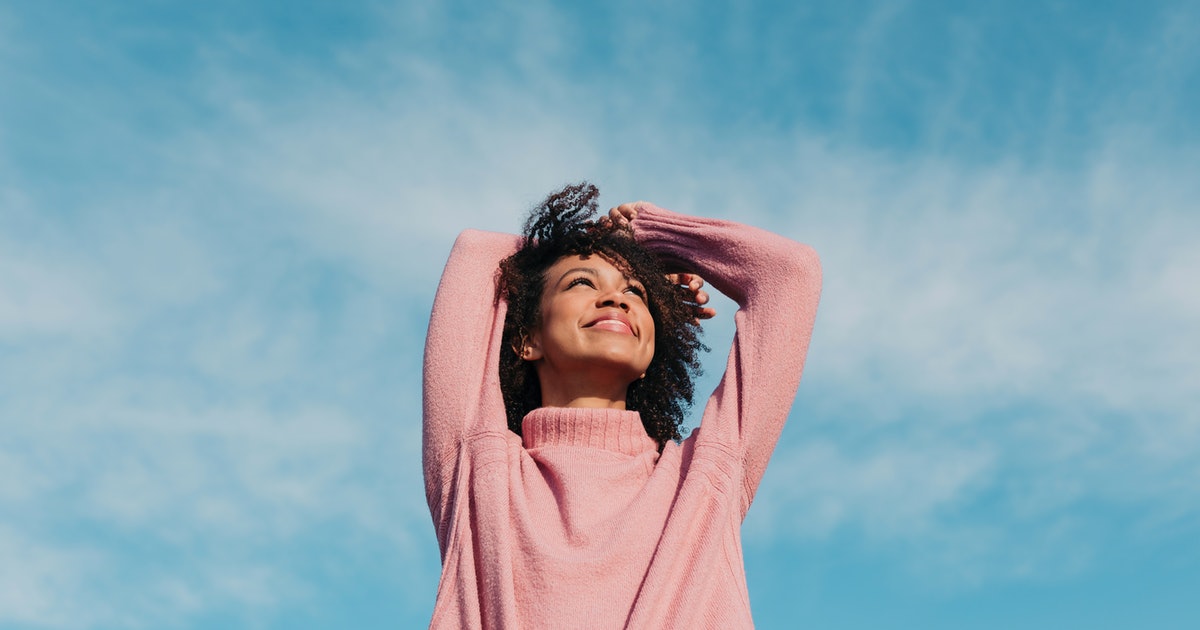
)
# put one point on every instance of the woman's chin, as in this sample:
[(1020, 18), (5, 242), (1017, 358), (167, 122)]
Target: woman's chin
[(617, 369)]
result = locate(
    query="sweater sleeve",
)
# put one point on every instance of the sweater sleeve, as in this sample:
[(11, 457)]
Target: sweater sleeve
[(776, 283), (461, 381)]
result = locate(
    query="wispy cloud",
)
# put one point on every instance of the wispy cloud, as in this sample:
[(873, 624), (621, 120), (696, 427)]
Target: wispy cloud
[(994, 332), (46, 585)]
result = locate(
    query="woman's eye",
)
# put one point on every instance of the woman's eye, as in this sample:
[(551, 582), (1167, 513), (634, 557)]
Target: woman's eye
[(583, 281), (638, 291)]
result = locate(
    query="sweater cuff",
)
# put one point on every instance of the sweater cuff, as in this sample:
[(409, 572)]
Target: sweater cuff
[(655, 225)]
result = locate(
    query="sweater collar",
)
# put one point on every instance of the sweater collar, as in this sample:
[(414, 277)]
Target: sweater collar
[(610, 429)]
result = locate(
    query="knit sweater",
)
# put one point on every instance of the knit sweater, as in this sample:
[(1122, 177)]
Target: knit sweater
[(581, 522)]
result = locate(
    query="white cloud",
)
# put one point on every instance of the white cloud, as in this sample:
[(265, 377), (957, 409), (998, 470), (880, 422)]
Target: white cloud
[(182, 477), (46, 585), (887, 492)]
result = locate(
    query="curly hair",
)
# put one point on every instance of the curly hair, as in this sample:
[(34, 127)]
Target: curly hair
[(562, 226)]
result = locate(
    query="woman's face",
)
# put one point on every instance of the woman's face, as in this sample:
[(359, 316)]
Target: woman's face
[(594, 321)]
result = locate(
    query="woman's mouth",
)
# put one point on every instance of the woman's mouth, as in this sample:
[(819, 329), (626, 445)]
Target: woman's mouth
[(612, 323)]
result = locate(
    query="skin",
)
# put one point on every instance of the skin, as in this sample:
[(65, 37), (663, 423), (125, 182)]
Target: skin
[(596, 335)]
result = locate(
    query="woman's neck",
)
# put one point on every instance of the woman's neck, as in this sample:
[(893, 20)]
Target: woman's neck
[(585, 391)]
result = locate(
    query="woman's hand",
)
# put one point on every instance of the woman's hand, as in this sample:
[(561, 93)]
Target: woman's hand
[(623, 215), (696, 296)]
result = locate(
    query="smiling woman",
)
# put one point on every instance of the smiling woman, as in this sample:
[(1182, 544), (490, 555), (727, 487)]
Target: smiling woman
[(589, 509), (596, 334)]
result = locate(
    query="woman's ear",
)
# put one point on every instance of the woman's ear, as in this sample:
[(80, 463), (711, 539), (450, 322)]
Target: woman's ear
[(530, 348)]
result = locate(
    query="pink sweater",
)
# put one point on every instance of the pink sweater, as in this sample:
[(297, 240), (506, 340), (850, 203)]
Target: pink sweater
[(582, 523)]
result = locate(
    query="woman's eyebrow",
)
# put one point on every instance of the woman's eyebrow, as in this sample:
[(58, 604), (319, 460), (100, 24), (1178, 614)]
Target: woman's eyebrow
[(588, 270)]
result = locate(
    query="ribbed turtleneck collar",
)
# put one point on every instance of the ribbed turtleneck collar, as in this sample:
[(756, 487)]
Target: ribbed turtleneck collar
[(610, 429)]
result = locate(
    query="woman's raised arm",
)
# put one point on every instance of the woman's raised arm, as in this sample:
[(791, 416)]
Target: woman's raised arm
[(776, 282), (461, 383)]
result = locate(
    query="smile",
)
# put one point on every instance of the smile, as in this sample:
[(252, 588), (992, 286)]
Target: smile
[(612, 323)]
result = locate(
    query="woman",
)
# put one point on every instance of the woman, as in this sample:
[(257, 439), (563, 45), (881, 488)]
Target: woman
[(585, 509)]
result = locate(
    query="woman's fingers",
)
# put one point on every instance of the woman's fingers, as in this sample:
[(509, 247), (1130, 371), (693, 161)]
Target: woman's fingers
[(689, 280), (623, 214), (698, 297)]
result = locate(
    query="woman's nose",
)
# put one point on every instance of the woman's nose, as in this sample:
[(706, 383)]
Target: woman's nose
[(614, 298)]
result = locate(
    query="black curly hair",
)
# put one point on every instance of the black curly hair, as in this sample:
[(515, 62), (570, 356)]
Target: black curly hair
[(563, 226)]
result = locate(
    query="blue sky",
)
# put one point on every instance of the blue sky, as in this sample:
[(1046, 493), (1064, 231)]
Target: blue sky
[(222, 224)]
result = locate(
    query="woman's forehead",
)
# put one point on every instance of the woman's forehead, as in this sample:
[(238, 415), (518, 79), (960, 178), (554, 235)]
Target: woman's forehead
[(597, 263)]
